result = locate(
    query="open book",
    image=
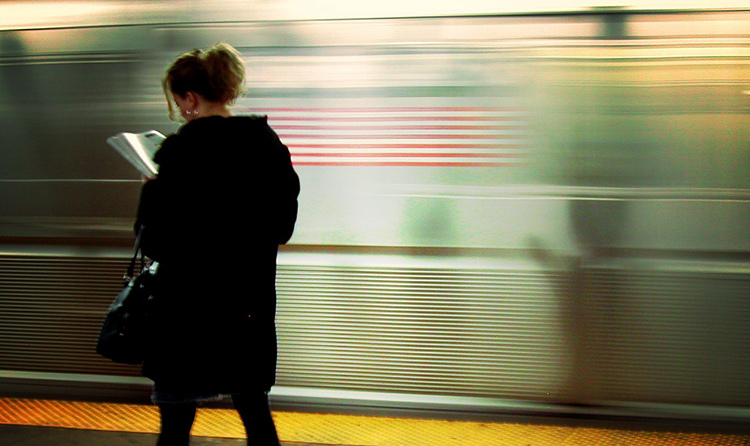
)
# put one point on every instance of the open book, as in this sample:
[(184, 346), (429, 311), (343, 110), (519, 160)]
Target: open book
[(139, 149)]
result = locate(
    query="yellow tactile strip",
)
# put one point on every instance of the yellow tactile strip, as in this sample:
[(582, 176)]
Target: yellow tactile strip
[(350, 430)]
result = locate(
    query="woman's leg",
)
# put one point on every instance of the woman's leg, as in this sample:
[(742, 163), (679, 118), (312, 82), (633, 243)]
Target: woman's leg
[(256, 416), (176, 422)]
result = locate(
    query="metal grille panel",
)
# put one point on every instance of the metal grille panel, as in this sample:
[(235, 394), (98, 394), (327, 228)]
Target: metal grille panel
[(415, 330), (51, 309), (671, 335), (645, 333), (492, 333)]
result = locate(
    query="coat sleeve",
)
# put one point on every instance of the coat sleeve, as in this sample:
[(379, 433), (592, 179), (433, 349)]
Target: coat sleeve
[(149, 218), (153, 211)]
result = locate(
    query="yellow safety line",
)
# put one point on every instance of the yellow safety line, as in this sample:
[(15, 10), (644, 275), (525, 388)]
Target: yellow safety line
[(350, 430)]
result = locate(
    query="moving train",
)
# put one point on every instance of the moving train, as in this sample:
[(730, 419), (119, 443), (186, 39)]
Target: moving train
[(500, 213)]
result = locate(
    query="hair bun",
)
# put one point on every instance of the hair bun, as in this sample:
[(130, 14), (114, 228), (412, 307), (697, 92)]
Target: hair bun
[(217, 74), (226, 72)]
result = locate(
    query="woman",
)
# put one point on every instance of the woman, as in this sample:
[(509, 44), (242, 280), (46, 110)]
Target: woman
[(224, 199)]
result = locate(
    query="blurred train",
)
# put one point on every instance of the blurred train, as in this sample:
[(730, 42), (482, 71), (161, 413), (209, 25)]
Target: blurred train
[(537, 213)]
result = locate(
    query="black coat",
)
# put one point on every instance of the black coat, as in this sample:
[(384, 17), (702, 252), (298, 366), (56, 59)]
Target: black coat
[(224, 199)]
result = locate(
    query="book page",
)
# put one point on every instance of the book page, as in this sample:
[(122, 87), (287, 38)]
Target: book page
[(139, 149)]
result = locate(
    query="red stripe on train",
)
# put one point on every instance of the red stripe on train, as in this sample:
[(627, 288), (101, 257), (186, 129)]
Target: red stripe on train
[(407, 146), (409, 155), (376, 137), (402, 164), (378, 109), (399, 127)]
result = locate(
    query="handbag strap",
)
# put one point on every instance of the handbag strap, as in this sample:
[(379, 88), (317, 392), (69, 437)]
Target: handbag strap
[(136, 250)]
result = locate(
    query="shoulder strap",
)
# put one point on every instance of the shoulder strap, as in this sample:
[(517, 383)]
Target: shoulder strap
[(136, 250)]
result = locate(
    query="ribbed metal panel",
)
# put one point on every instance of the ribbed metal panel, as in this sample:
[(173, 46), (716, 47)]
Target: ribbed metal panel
[(51, 309), (415, 330), (641, 332), (669, 334), (492, 333)]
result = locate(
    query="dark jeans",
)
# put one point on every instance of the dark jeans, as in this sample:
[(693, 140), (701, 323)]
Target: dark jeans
[(177, 420)]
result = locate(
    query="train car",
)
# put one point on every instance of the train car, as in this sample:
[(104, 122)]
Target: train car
[(519, 212)]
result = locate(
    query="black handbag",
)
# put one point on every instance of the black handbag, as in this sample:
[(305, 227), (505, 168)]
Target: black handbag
[(123, 335)]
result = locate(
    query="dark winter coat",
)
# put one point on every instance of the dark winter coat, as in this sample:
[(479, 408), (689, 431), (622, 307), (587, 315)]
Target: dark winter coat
[(225, 198)]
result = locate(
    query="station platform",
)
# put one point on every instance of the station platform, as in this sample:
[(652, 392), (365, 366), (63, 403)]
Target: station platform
[(27, 422)]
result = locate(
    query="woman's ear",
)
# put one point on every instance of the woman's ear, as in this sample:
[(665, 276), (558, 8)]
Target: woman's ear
[(191, 100)]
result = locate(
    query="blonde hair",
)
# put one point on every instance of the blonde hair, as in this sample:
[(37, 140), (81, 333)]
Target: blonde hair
[(217, 74)]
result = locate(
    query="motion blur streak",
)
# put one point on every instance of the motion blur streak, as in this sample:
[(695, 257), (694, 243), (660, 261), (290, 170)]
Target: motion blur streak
[(501, 210)]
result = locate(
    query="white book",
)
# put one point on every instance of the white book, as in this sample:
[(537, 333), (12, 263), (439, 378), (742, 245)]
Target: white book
[(139, 149)]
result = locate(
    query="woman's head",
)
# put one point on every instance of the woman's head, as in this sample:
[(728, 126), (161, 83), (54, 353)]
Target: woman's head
[(217, 75)]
